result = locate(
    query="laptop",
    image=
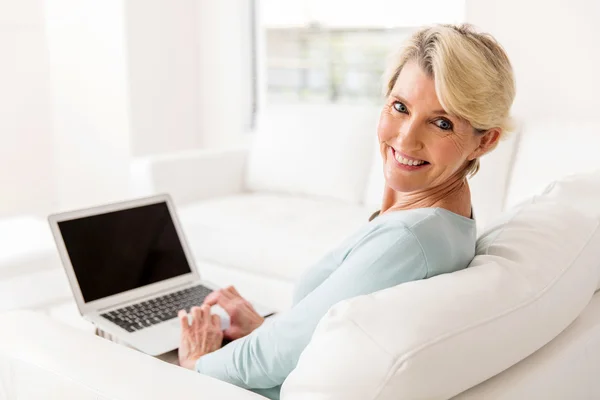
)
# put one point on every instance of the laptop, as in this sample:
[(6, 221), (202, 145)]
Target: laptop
[(131, 271)]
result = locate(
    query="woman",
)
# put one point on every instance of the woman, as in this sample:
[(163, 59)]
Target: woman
[(448, 99)]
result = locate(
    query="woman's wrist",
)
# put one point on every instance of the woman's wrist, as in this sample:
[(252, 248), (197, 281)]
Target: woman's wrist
[(189, 363)]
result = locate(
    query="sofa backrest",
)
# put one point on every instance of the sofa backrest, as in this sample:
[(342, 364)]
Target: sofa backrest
[(332, 151), (549, 149), (313, 149), (375, 180), (489, 185)]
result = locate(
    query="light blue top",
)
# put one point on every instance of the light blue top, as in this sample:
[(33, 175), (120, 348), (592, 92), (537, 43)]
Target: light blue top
[(394, 248)]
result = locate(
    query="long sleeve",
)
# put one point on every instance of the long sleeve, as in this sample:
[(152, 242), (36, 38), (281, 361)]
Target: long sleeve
[(385, 257)]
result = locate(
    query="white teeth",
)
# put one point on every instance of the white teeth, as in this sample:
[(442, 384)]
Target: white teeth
[(406, 161)]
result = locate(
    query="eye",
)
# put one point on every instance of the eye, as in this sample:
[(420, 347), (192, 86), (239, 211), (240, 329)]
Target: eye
[(443, 124), (400, 107)]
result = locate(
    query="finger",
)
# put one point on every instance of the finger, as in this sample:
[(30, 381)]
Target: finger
[(247, 306), (194, 310), (212, 298), (228, 304), (227, 293), (215, 321), (183, 318), (205, 310), (234, 291), (196, 315)]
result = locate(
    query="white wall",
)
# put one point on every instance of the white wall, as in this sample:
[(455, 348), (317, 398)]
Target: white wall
[(189, 73), (26, 173), (85, 86), (553, 45), (368, 14), (90, 100), (224, 70), (163, 75)]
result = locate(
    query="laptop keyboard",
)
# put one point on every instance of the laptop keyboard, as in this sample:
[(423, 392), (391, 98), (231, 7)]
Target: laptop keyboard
[(151, 312)]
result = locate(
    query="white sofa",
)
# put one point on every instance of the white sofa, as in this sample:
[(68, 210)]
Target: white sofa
[(259, 215), (258, 227)]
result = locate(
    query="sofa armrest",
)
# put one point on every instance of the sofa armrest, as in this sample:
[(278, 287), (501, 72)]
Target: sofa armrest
[(42, 358), (192, 175)]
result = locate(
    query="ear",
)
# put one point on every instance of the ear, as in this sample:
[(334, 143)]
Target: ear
[(488, 140)]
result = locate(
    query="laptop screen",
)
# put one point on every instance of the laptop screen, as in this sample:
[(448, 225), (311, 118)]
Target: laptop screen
[(115, 252)]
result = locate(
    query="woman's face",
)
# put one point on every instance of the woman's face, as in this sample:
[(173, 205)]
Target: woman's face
[(421, 145)]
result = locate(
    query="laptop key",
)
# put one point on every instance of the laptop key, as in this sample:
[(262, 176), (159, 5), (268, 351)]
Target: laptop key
[(142, 315)]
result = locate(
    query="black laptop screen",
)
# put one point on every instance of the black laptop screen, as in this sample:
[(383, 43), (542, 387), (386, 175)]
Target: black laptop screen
[(118, 251)]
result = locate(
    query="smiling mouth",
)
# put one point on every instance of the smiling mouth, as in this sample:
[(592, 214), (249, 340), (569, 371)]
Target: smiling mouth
[(409, 162)]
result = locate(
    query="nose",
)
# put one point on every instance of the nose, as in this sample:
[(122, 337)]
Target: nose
[(408, 135)]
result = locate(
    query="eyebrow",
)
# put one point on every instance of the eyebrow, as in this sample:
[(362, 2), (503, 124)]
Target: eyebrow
[(397, 96)]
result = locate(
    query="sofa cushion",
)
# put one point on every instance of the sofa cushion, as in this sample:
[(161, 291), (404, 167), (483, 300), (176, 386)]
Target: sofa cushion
[(533, 274), (275, 235), (318, 150), (268, 291), (566, 368), (27, 246), (551, 148), (44, 359), (376, 180), (488, 186), (39, 290), (580, 191)]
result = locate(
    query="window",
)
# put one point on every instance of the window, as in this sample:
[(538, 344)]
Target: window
[(335, 51), (318, 63)]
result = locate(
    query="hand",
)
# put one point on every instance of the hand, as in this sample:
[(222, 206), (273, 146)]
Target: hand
[(244, 319), (203, 336)]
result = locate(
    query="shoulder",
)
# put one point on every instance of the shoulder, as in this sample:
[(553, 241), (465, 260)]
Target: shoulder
[(387, 236), (387, 251), (423, 222), (446, 240)]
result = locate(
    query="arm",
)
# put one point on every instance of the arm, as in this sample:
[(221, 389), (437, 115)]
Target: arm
[(314, 277), (386, 257)]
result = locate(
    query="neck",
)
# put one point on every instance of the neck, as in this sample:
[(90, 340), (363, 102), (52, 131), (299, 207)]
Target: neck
[(453, 195)]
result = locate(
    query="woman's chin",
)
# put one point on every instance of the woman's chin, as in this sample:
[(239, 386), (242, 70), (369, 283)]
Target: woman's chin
[(400, 185)]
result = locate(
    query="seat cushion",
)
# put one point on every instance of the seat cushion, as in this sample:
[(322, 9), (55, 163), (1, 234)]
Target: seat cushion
[(39, 290), (315, 150), (276, 235), (27, 246), (274, 293), (31, 275), (534, 272)]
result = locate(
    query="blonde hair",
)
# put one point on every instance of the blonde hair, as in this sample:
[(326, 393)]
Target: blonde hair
[(473, 76)]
